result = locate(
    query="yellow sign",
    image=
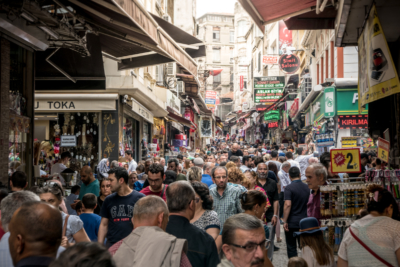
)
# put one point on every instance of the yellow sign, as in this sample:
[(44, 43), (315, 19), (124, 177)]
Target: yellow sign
[(349, 141), (383, 149), (377, 76), (345, 160)]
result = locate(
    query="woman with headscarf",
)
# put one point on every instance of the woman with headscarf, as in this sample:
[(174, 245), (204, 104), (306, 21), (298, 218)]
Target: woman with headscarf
[(102, 168)]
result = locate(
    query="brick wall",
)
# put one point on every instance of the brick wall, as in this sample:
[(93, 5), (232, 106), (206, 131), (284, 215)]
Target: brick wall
[(4, 107)]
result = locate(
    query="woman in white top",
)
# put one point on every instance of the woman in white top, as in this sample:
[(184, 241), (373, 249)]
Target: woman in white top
[(314, 250), (74, 231), (377, 231)]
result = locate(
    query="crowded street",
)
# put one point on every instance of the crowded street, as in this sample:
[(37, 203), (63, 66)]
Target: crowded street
[(184, 133)]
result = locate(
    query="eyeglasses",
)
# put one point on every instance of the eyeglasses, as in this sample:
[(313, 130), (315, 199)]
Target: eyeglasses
[(250, 248), (220, 177)]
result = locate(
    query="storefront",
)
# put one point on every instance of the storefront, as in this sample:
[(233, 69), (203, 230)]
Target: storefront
[(83, 124)]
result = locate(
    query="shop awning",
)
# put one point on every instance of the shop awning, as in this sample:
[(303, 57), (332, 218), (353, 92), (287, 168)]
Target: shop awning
[(313, 21), (264, 12), (172, 116), (130, 34)]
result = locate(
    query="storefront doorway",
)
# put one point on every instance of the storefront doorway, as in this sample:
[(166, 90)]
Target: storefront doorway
[(131, 136)]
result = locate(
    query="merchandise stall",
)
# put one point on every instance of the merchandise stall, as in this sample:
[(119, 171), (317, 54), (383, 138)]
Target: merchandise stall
[(158, 140)]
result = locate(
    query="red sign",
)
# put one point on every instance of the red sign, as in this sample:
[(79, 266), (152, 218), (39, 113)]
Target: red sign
[(273, 125), (270, 60), (353, 122), (285, 37), (211, 94), (289, 63), (241, 82), (294, 108), (261, 107)]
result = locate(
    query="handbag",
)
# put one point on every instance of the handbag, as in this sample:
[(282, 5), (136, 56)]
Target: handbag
[(369, 250)]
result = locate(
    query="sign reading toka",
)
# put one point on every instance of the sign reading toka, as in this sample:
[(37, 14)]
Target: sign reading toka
[(267, 90), (383, 149), (289, 63), (345, 160), (270, 60)]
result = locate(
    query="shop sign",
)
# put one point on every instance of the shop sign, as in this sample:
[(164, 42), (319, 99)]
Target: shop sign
[(206, 127), (173, 102), (68, 140), (142, 111), (383, 149), (270, 60), (74, 105), (345, 160), (330, 100), (273, 124), (261, 107), (289, 63), (267, 90), (241, 82), (350, 141), (348, 104), (353, 122), (272, 115), (294, 108), (377, 75)]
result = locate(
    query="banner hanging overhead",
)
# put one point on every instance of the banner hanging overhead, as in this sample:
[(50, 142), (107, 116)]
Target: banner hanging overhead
[(377, 76), (268, 90)]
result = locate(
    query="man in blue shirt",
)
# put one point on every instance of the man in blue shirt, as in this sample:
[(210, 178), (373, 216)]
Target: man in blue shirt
[(206, 177), (297, 194), (91, 221)]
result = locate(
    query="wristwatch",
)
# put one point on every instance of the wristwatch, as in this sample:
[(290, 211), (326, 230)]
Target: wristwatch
[(276, 216)]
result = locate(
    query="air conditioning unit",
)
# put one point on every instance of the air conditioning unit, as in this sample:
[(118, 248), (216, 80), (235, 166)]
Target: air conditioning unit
[(167, 18), (180, 86), (171, 69)]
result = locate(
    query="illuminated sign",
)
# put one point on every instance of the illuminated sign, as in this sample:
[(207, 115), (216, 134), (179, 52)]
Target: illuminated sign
[(272, 115), (273, 125), (353, 121), (261, 107), (267, 90)]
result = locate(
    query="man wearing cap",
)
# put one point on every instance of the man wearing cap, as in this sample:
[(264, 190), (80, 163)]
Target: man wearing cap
[(198, 162), (295, 209)]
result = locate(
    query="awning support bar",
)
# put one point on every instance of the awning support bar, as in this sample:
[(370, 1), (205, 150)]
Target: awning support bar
[(57, 67)]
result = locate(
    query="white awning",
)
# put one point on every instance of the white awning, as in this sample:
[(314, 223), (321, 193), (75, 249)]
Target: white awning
[(75, 102)]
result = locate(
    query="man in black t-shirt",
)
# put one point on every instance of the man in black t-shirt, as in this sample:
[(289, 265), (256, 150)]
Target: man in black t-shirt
[(117, 209), (235, 151)]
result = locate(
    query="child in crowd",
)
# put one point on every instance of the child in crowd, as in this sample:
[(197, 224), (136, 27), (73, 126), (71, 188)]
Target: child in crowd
[(91, 221), (78, 208), (297, 262)]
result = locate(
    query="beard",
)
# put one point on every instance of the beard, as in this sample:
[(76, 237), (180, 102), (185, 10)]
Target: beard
[(258, 262), (262, 175)]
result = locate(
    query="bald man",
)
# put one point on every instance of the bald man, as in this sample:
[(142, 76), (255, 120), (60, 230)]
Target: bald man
[(35, 234), (235, 151), (90, 184)]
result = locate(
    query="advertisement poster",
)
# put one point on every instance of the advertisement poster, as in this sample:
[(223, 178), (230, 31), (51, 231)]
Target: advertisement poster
[(206, 127), (211, 99), (285, 38), (268, 90), (345, 160), (377, 76)]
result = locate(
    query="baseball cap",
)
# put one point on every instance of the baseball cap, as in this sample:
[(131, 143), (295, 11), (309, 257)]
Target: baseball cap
[(281, 154)]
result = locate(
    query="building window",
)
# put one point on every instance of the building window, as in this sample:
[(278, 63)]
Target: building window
[(242, 28), (214, 18), (216, 35), (259, 61), (231, 56), (232, 74), (216, 55), (232, 37), (217, 79)]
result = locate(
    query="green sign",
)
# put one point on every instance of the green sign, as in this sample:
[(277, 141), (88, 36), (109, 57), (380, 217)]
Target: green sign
[(330, 105), (272, 115), (267, 90), (347, 102)]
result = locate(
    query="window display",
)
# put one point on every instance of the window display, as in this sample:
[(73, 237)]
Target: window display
[(130, 137)]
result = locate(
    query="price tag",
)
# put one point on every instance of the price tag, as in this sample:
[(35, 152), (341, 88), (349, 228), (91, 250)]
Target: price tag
[(345, 160), (383, 149)]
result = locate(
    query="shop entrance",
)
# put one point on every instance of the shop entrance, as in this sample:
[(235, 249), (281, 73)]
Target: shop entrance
[(131, 136)]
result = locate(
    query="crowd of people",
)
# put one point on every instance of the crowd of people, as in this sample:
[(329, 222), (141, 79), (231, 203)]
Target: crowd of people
[(230, 205)]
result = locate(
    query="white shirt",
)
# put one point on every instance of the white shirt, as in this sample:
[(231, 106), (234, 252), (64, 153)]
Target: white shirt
[(285, 180), (58, 168), (293, 163), (244, 168), (303, 162), (132, 166)]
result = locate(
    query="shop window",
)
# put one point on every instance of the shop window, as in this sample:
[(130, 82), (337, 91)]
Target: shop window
[(130, 136)]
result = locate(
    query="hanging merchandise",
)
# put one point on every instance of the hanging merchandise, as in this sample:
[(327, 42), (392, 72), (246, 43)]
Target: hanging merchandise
[(206, 127)]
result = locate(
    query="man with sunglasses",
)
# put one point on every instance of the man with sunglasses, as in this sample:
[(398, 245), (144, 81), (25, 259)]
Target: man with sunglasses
[(244, 243), (156, 178)]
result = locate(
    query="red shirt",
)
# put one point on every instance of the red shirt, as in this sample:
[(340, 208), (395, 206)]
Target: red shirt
[(146, 191)]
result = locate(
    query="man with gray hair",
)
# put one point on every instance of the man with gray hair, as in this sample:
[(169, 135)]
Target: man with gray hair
[(244, 243), (225, 196), (202, 250), (114, 164), (150, 219), (316, 175), (198, 162), (8, 207)]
